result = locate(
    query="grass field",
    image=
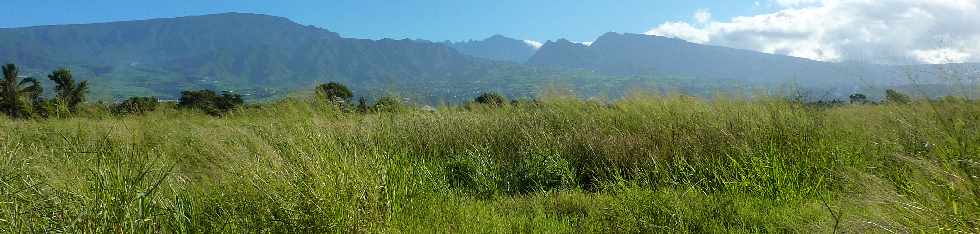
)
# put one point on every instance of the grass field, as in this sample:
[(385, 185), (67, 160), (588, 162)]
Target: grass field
[(642, 164)]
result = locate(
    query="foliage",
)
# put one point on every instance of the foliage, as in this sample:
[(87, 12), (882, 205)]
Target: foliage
[(858, 98), (18, 99), (334, 92), (136, 105), (210, 102), (388, 104), (362, 105), (68, 93), (493, 99)]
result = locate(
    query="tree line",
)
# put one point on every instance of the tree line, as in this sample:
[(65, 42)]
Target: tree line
[(23, 97)]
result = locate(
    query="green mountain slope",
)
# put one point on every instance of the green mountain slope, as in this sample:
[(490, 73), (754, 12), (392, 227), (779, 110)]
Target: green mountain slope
[(261, 56)]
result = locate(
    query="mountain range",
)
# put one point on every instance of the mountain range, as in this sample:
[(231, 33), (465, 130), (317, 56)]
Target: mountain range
[(265, 56), (496, 47)]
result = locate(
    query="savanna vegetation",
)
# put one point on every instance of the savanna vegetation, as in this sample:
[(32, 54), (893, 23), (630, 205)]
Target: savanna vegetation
[(645, 163)]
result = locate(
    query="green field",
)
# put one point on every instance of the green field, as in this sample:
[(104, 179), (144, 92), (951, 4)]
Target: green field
[(668, 164)]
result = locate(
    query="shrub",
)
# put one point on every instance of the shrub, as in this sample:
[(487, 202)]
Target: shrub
[(335, 92), (388, 104), (494, 99), (136, 105), (859, 98), (210, 102), (362, 105)]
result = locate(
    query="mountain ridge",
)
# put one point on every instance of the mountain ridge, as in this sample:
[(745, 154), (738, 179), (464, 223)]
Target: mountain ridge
[(269, 56), (496, 47), (226, 51)]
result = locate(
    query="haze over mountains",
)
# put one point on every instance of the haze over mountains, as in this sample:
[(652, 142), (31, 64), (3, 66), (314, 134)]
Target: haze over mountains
[(265, 56)]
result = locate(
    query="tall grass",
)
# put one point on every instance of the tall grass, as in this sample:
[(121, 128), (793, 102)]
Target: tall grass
[(641, 164)]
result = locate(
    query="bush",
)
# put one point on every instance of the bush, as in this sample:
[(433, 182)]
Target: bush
[(388, 104), (335, 92), (136, 105), (362, 105), (859, 98), (494, 99), (210, 102)]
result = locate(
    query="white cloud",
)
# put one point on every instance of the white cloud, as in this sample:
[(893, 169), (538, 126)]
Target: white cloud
[(534, 44), (683, 31), (945, 55), (586, 43), (795, 3), (880, 31), (702, 16)]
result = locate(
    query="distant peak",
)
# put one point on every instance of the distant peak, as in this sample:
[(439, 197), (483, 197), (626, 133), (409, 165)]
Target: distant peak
[(497, 36), (611, 34), (613, 38), (238, 15), (564, 41), (501, 38)]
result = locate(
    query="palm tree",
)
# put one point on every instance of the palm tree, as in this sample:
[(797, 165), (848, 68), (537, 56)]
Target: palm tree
[(68, 93), (12, 100)]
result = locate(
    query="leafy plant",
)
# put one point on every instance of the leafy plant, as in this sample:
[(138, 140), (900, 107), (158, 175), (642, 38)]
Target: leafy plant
[(494, 99), (388, 104), (136, 105), (858, 98), (210, 102), (335, 92)]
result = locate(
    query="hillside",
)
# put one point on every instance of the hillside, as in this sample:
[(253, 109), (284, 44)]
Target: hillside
[(255, 54), (635, 54)]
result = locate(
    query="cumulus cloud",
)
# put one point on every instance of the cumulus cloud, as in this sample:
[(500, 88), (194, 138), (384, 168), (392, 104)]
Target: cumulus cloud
[(534, 44), (878, 31)]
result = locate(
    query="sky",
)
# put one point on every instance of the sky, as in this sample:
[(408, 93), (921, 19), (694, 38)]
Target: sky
[(878, 31), (437, 20)]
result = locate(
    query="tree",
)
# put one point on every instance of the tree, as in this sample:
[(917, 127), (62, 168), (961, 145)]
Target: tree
[(210, 102), (17, 97), (892, 96), (858, 98), (335, 92), (494, 99), (136, 105), (69, 94)]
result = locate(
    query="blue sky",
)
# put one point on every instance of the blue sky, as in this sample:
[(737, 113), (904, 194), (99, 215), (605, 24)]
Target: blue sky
[(880, 31), (577, 20)]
